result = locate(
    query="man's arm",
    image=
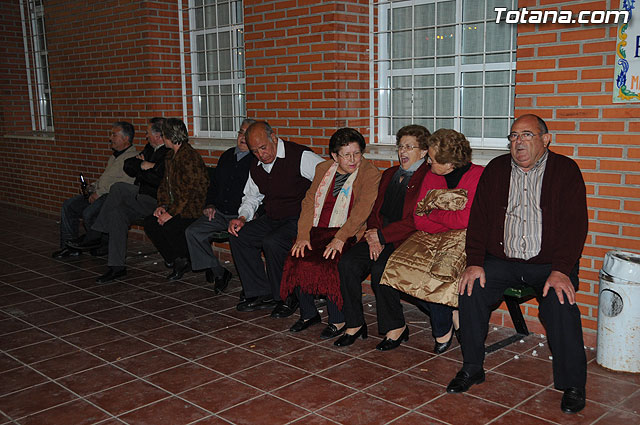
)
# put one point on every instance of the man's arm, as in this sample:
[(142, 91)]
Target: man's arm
[(308, 163), (251, 200)]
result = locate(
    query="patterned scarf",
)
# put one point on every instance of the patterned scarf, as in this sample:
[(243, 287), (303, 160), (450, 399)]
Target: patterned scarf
[(341, 208)]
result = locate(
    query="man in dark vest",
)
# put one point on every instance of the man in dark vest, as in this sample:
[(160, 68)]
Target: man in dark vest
[(279, 177)]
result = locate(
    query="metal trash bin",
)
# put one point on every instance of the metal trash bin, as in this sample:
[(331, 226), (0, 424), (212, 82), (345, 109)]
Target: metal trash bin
[(619, 312)]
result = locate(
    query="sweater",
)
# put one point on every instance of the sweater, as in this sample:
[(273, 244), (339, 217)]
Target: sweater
[(114, 172)]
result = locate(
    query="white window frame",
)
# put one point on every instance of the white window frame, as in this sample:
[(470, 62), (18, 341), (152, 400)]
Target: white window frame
[(237, 83), (37, 65), (381, 94)]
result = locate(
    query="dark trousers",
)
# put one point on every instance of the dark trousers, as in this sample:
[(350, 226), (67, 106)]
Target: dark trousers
[(123, 206), (390, 315), (562, 321), (200, 251), (354, 266), (169, 238), (72, 210), (273, 237), (308, 308)]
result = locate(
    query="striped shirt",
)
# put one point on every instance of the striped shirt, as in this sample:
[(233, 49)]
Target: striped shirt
[(523, 219)]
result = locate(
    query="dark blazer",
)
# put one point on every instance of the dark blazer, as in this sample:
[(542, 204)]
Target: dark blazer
[(564, 213), (226, 188), (400, 230), (150, 179), (184, 186)]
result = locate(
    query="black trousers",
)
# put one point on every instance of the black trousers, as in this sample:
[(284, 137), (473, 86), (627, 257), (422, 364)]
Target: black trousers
[(354, 266), (169, 238), (273, 237), (308, 308), (562, 321)]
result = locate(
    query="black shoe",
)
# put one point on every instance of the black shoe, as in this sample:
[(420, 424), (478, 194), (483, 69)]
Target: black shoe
[(182, 265), (389, 344), (285, 308), (222, 282), (573, 400), (463, 381), (65, 252), (256, 303), (111, 274), (168, 264), (331, 331), (302, 324), (347, 339), (241, 297), (441, 347), (84, 245)]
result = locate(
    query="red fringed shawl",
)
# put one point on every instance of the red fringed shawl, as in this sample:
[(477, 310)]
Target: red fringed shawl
[(312, 273)]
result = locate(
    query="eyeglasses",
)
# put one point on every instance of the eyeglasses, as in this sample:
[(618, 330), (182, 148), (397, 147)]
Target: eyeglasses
[(525, 136), (401, 148), (350, 156), (241, 133)]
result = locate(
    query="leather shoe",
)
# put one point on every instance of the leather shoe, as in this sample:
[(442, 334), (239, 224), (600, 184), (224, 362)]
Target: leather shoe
[(168, 264), (241, 296), (573, 400), (302, 324), (182, 265), (331, 331), (347, 339), (441, 347), (222, 282), (256, 303), (463, 381), (65, 252), (84, 245), (389, 344), (285, 308), (111, 274)]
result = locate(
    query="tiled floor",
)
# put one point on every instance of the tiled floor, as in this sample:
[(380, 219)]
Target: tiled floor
[(148, 351)]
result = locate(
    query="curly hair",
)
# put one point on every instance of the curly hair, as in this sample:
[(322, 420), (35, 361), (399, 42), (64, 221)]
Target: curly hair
[(451, 147), (344, 137), (418, 131)]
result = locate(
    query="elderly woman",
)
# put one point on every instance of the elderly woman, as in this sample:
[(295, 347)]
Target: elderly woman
[(451, 168), (389, 224), (181, 197), (333, 216)]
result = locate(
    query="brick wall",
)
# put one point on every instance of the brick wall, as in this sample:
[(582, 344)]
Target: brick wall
[(307, 67), (565, 75)]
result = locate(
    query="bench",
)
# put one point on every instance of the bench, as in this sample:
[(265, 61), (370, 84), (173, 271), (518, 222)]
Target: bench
[(513, 297)]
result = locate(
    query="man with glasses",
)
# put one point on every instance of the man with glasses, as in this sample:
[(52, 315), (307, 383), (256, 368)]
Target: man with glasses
[(221, 206), (278, 179), (528, 226)]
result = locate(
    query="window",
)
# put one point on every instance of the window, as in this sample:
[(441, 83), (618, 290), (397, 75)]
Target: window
[(217, 67), (445, 64), (35, 50)]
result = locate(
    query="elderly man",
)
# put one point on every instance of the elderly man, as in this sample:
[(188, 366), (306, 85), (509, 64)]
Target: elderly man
[(223, 200), (279, 177), (528, 226), (88, 208), (128, 202)]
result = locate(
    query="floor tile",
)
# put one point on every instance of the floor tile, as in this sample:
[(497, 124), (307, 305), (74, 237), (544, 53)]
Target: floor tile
[(242, 333), (125, 397), (77, 413), (220, 395), (607, 390), (150, 362), (264, 409), (275, 346), (232, 360), (438, 369), (269, 376), (357, 373), (528, 369), (546, 405), (172, 411), (120, 349), (315, 358), (515, 417), (618, 417), (95, 380), (183, 377), (198, 347), (67, 364), (19, 378), (405, 390), (167, 335), (362, 408), (34, 399), (447, 408), (313, 392), (70, 326), (22, 338)]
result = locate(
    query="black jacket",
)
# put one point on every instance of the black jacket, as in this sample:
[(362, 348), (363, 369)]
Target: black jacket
[(227, 182), (150, 179)]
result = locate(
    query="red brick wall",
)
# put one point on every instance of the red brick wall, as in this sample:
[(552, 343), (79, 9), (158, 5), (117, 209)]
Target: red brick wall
[(307, 67), (565, 75)]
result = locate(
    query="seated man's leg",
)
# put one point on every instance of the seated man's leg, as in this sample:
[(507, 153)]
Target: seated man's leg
[(200, 251), (71, 212), (246, 250), (564, 332), (475, 310), (276, 246), (90, 215)]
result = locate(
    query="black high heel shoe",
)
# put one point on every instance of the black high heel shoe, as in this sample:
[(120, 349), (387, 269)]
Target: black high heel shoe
[(389, 344), (347, 339), (441, 347)]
